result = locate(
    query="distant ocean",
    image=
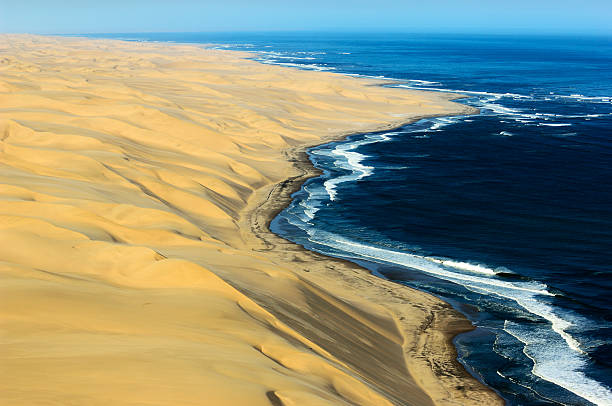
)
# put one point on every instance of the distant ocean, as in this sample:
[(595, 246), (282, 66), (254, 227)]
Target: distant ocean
[(507, 215)]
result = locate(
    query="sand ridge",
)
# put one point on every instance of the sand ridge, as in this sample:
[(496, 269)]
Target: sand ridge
[(131, 269)]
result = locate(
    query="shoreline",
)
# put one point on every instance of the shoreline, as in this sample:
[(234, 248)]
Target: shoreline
[(137, 172), (446, 320)]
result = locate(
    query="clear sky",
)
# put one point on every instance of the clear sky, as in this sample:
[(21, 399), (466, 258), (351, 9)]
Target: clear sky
[(483, 16)]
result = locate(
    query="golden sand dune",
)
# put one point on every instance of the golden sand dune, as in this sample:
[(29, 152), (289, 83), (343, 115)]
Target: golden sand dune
[(136, 180)]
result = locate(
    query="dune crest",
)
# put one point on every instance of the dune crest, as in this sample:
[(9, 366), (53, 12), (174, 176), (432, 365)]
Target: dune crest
[(135, 265)]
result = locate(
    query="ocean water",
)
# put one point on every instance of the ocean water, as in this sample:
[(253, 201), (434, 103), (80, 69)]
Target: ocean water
[(507, 214)]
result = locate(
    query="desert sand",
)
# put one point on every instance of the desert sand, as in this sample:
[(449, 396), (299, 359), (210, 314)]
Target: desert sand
[(136, 268)]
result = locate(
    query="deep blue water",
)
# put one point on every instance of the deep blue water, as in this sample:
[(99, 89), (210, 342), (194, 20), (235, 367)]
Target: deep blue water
[(507, 214)]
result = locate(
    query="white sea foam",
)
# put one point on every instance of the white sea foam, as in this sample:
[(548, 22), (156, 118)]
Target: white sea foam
[(466, 266), (442, 122), (489, 102), (468, 92), (547, 356), (419, 82), (311, 205), (580, 97), (526, 117), (353, 163), (348, 159), (297, 58), (309, 66), (426, 264), (225, 46)]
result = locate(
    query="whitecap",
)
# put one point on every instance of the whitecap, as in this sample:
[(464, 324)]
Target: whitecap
[(425, 264), (438, 123), (350, 160), (549, 354), (424, 82), (469, 92), (580, 97), (296, 58), (466, 266), (307, 66)]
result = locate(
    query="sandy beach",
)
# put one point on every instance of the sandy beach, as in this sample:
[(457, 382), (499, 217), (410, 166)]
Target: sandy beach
[(137, 182)]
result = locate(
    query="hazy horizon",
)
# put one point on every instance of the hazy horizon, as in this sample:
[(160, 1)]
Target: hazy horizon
[(113, 16)]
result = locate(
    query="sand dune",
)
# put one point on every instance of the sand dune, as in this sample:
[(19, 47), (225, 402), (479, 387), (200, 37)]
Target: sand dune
[(135, 266)]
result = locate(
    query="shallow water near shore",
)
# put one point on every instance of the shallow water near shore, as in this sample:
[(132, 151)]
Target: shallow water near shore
[(507, 214)]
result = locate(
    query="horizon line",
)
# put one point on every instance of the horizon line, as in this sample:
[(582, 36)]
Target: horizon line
[(337, 31)]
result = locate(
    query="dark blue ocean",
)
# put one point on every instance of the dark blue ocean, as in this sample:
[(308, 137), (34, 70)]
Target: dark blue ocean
[(507, 214)]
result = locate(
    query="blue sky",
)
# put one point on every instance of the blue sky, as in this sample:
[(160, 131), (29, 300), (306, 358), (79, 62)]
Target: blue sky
[(491, 16)]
